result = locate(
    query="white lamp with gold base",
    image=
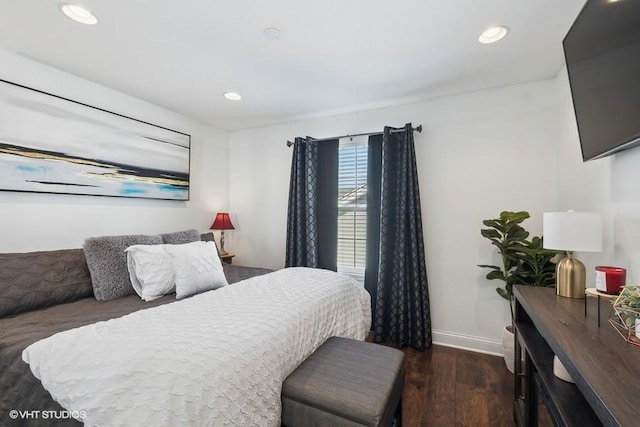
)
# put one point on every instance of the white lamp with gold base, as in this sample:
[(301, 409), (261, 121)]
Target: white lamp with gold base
[(570, 277), (572, 231)]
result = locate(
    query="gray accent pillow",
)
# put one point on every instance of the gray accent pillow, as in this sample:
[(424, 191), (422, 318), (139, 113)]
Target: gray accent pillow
[(107, 262), (33, 280), (181, 237)]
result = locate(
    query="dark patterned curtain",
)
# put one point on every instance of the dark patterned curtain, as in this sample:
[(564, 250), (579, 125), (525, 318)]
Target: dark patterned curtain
[(402, 314), (312, 217), (374, 178)]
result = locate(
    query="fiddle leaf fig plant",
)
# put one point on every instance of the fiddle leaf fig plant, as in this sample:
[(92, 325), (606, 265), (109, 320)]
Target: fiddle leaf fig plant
[(536, 266), (524, 262), (507, 235)]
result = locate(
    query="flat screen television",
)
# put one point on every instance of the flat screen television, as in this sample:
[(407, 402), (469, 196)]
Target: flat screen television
[(602, 53)]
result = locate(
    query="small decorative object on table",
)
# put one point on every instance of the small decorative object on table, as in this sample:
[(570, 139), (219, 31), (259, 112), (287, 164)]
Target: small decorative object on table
[(626, 314), (610, 280), (222, 222), (594, 292)]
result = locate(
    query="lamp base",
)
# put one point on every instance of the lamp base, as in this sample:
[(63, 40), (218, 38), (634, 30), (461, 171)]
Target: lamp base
[(570, 278), (222, 251)]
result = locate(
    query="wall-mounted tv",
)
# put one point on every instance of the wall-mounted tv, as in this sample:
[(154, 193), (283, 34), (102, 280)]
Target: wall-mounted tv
[(602, 52)]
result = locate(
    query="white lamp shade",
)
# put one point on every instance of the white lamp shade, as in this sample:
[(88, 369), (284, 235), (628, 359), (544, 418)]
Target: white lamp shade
[(572, 231)]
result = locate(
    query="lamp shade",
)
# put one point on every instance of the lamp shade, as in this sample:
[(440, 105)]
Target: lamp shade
[(222, 222), (572, 231)]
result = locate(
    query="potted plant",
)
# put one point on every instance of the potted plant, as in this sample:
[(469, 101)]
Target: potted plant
[(536, 266), (524, 262), (627, 311)]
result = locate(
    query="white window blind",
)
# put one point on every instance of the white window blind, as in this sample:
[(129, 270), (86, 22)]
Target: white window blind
[(352, 206)]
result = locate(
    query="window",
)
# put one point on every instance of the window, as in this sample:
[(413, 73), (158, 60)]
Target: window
[(352, 206)]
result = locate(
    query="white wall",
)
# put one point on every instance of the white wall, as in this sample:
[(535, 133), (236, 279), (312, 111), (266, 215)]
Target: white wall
[(608, 186), (480, 153), (49, 221)]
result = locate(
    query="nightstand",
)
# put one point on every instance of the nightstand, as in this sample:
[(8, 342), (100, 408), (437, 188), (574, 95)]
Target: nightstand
[(228, 258)]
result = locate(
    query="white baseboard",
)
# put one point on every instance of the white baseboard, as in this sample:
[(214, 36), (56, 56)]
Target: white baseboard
[(467, 342)]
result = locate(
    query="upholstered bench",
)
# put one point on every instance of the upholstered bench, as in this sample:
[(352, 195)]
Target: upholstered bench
[(345, 383)]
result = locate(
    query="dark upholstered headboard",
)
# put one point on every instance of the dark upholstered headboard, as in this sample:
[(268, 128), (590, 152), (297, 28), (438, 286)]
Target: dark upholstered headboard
[(29, 281)]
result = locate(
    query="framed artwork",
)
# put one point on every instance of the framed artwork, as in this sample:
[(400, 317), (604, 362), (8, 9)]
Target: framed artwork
[(50, 144)]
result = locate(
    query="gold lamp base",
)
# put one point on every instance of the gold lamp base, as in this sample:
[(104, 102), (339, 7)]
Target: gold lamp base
[(570, 277)]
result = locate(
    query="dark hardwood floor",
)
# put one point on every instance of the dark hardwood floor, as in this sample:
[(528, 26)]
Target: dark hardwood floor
[(450, 387)]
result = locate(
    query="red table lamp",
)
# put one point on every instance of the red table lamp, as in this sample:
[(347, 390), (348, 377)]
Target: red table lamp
[(222, 222)]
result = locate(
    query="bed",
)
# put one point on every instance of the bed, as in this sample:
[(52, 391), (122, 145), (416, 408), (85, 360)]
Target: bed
[(218, 357)]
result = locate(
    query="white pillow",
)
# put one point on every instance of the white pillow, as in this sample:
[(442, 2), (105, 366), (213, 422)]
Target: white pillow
[(150, 271), (196, 267)]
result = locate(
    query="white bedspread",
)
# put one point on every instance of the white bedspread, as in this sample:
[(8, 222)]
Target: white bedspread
[(218, 358)]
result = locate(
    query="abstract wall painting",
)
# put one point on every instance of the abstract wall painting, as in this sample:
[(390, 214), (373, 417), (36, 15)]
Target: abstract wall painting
[(50, 144)]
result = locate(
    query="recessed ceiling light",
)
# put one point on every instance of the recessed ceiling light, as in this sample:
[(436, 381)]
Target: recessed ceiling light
[(493, 34), (233, 96), (78, 13), (272, 34)]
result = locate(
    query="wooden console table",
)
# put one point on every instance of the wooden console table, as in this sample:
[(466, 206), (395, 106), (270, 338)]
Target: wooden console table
[(605, 368)]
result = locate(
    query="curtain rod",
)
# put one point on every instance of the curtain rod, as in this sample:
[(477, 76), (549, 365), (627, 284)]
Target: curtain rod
[(415, 129)]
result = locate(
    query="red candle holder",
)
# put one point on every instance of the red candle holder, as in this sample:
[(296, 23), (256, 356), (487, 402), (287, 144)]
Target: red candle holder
[(609, 279)]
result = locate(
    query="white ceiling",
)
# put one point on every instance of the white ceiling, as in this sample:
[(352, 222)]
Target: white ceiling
[(334, 56)]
